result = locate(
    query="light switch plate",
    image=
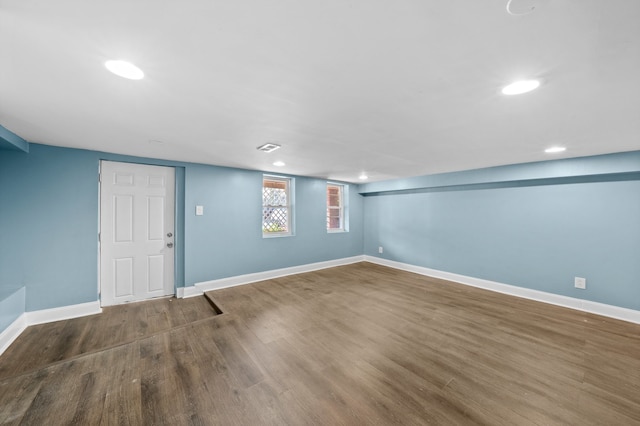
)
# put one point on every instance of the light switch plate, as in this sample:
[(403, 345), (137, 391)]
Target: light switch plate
[(199, 210)]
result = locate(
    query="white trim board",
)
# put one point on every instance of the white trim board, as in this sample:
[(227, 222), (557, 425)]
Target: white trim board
[(605, 310), (200, 288), (16, 328), (185, 292), (12, 332), (63, 313)]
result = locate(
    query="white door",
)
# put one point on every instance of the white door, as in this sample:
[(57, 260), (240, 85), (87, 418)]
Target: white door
[(136, 232)]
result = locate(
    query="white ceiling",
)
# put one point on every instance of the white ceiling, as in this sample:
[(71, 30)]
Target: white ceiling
[(394, 88)]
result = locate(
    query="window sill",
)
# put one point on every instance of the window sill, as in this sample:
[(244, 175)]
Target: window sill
[(277, 235)]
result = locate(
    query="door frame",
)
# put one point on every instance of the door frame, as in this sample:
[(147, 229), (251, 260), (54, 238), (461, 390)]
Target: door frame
[(178, 218)]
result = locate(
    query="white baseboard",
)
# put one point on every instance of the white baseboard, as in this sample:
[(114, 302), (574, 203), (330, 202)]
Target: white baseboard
[(610, 311), (200, 288), (63, 313), (12, 332), (186, 292)]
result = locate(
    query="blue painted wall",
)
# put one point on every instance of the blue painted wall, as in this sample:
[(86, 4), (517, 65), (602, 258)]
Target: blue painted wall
[(12, 303), (227, 241), (538, 233), (49, 224), (11, 141)]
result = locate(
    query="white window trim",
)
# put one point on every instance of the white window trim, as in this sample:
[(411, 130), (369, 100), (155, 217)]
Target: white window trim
[(290, 206)]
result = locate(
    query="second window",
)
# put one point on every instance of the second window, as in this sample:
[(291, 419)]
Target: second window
[(335, 208)]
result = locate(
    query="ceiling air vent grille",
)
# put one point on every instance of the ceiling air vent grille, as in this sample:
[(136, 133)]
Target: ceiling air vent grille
[(268, 147)]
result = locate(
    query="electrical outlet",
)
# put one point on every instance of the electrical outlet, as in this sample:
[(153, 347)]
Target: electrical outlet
[(380, 250), (580, 283)]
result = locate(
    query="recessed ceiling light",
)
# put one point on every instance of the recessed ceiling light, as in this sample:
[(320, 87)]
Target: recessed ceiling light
[(363, 176), (519, 87), (555, 149), (520, 9), (279, 164), (124, 69), (268, 147)]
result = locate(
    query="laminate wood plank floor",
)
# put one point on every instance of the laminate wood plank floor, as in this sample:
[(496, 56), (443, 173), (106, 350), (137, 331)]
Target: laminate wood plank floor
[(354, 345)]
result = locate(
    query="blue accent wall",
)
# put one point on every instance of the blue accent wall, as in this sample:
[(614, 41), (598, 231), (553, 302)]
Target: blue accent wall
[(538, 232), (11, 141), (227, 240), (49, 224), (12, 302)]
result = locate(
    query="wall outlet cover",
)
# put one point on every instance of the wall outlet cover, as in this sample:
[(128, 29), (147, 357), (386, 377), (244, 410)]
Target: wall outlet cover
[(580, 283)]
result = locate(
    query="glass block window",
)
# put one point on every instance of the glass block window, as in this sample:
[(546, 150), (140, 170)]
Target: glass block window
[(276, 206), (335, 207)]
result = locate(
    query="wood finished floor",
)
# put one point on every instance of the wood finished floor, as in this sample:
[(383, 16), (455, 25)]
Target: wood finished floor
[(358, 344)]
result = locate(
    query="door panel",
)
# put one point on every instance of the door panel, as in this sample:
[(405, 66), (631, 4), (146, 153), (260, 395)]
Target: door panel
[(123, 276), (155, 218), (123, 218), (156, 272), (136, 232)]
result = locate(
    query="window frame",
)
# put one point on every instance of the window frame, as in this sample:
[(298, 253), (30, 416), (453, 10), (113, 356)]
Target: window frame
[(290, 191), (342, 208)]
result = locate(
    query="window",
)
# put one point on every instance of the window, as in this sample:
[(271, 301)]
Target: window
[(276, 206), (336, 207)]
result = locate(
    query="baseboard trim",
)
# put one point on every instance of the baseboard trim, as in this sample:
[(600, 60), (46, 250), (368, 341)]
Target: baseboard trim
[(186, 292), (62, 313), (605, 310), (16, 328), (268, 275), (12, 332)]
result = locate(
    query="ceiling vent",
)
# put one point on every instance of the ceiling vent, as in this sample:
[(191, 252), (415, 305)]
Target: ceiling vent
[(268, 147)]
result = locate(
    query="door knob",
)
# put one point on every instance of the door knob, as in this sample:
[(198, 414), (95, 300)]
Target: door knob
[(169, 235), (169, 245)]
